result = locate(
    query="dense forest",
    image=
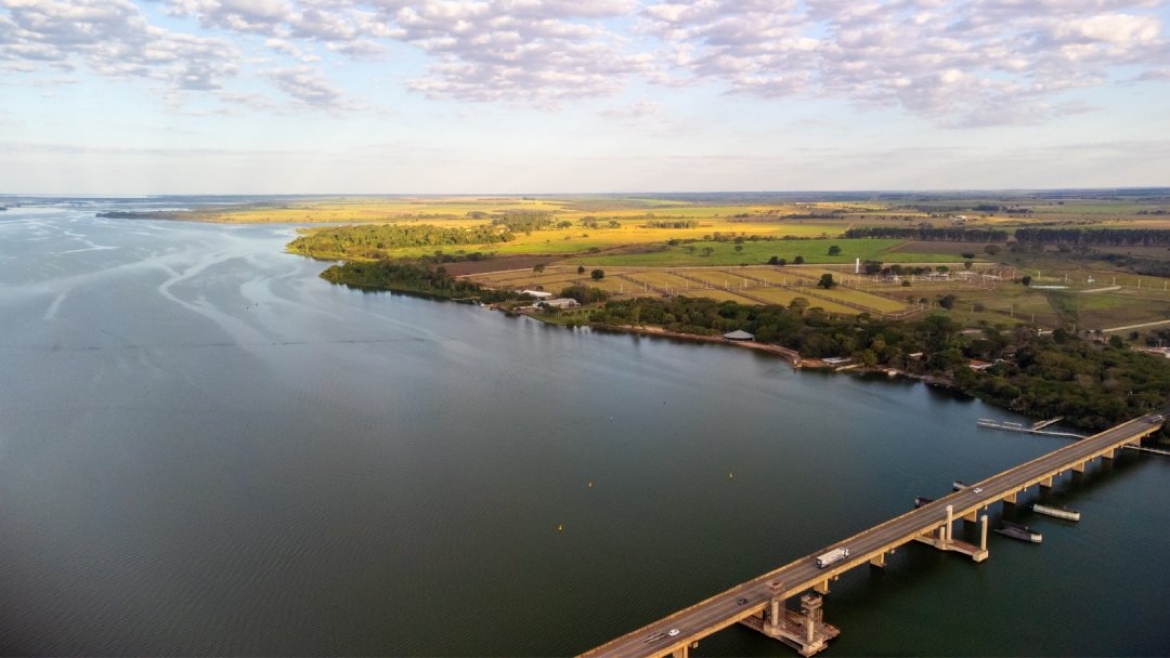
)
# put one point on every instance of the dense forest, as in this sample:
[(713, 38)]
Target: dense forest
[(372, 241), (927, 232)]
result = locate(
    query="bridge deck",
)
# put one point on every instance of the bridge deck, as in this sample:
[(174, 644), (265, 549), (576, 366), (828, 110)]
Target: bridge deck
[(752, 597)]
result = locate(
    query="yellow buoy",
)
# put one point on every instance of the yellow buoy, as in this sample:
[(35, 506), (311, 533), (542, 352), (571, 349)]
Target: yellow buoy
[(731, 476), (560, 527), (591, 484)]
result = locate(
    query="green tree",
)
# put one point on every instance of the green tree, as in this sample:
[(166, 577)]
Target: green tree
[(597, 275), (580, 269), (1026, 280), (799, 260), (826, 281), (834, 250), (538, 268)]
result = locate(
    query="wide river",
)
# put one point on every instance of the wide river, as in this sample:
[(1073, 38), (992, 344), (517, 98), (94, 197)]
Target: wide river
[(205, 449)]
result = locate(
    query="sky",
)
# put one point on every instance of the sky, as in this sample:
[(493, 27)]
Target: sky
[(580, 96)]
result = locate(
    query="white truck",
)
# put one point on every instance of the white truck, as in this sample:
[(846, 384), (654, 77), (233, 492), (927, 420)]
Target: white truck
[(835, 555)]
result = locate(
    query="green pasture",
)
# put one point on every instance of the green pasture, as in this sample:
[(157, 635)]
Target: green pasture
[(758, 252)]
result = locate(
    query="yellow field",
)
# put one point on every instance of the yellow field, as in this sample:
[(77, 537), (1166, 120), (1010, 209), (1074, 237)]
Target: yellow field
[(880, 304), (784, 296), (749, 285), (549, 282), (663, 280), (720, 296)]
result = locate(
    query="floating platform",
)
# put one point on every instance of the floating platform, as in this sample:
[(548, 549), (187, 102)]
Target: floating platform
[(1057, 512)]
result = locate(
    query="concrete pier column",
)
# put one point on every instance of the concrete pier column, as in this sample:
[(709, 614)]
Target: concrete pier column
[(1110, 454), (983, 533), (1079, 467), (1046, 482), (774, 613), (822, 587), (1010, 498), (682, 652), (950, 522), (878, 560)]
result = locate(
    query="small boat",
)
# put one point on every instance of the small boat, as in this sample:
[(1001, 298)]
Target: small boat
[(959, 485), (1020, 532), (1058, 512), (919, 501)]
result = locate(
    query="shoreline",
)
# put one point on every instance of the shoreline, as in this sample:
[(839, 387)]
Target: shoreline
[(790, 355)]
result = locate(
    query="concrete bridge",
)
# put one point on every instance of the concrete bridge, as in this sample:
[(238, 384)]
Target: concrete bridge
[(761, 603)]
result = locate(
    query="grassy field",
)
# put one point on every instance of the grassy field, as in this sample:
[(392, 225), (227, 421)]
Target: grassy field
[(619, 240), (757, 252)]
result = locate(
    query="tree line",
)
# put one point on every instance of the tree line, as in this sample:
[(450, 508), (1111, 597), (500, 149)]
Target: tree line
[(927, 232), (524, 221), (679, 223), (1108, 237), (414, 279)]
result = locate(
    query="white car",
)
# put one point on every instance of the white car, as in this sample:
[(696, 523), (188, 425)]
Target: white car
[(978, 490), (672, 632)]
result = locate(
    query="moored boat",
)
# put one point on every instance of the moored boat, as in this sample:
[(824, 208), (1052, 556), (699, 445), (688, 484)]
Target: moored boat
[(1020, 532), (1058, 512), (959, 485)]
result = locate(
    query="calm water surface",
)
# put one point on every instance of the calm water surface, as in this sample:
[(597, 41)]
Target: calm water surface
[(206, 449)]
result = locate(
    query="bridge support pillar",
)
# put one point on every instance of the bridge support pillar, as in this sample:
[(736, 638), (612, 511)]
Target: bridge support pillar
[(1010, 498), (878, 560), (983, 533), (1110, 454), (772, 625), (950, 526), (681, 652), (1046, 482), (1079, 467), (972, 516), (813, 615), (822, 587)]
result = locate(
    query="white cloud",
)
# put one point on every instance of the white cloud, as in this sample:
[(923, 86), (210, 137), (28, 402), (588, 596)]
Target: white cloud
[(112, 38), (958, 64), (524, 51), (308, 86), (971, 63)]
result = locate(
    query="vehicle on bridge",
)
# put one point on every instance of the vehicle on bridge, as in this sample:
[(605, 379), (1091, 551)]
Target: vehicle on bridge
[(835, 555)]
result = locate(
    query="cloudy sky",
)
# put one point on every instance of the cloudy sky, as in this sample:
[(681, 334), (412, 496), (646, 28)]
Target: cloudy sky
[(548, 96)]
